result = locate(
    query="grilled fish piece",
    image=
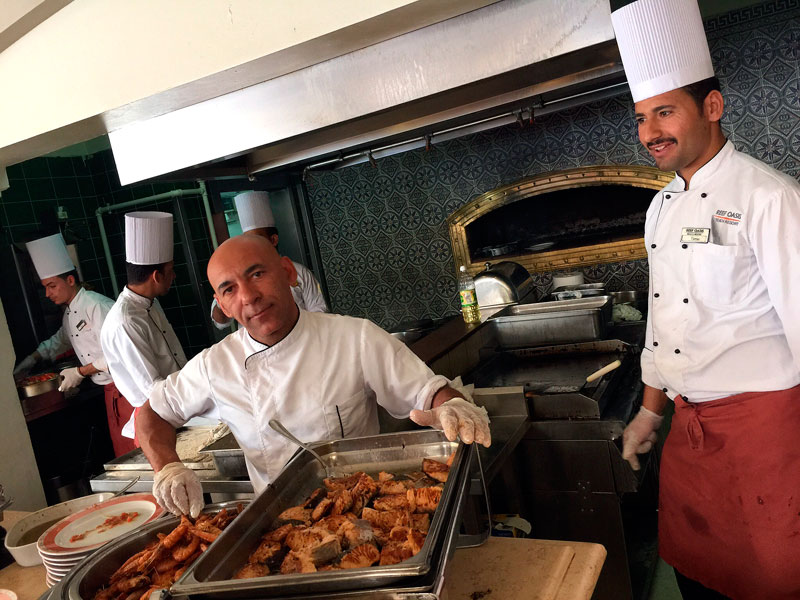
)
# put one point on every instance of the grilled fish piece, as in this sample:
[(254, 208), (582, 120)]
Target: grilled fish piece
[(295, 515), (363, 492), (333, 522), (384, 476), (266, 552), (297, 562), (394, 552), (386, 519), (427, 499), (322, 509), (342, 483), (355, 533), (318, 544), (387, 488), (450, 458), (406, 501), (279, 534), (435, 469), (315, 498), (421, 522), (364, 555), (342, 503), (251, 570)]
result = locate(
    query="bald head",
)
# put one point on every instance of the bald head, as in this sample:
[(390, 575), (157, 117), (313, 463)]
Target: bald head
[(252, 285)]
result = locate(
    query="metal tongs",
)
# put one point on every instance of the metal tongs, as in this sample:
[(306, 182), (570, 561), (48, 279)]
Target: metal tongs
[(279, 427)]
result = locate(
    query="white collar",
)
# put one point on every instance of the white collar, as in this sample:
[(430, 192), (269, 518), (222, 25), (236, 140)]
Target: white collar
[(708, 171), (136, 299)]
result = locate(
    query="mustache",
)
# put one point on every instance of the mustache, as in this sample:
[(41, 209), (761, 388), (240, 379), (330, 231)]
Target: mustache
[(660, 141)]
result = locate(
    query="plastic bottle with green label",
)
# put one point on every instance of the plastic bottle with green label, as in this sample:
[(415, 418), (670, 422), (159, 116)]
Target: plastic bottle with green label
[(469, 299)]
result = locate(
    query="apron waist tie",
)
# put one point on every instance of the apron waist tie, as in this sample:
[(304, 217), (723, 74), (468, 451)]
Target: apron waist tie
[(694, 429)]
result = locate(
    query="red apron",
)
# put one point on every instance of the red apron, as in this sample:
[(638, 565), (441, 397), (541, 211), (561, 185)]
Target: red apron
[(729, 501), (118, 411)]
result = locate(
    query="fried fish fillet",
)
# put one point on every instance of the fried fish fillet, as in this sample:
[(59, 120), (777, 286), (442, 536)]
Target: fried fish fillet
[(435, 469), (364, 555)]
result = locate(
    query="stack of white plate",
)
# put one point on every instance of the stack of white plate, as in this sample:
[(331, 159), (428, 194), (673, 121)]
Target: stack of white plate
[(77, 536)]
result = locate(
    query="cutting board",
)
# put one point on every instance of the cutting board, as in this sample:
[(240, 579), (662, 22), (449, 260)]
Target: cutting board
[(508, 569)]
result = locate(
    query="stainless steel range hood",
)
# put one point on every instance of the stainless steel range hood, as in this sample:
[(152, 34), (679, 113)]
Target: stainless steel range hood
[(511, 56)]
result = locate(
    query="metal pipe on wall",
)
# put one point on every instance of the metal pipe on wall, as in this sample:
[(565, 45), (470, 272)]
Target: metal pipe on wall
[(173, 194)]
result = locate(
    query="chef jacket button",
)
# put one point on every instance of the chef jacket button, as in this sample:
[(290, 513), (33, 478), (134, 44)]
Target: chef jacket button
[(652, 245), (684, 246), (656, 295), (686, 301), (655, 343), (664, 390), (667, 196), (703, 195), (677, 350), (163, 331)]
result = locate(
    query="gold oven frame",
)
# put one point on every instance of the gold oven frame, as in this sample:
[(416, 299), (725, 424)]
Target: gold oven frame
[(634, 175)]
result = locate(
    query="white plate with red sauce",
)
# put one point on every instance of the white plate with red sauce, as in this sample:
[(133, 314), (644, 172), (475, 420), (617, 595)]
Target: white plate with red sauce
[(87, 530)]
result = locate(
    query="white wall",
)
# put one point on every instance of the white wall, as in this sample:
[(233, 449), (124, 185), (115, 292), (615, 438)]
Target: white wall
[(18, 472)]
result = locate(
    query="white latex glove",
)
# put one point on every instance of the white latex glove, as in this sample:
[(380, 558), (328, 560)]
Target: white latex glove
[(177, 488), (70, 378), (640, 435), (25, 365), (457, 417)]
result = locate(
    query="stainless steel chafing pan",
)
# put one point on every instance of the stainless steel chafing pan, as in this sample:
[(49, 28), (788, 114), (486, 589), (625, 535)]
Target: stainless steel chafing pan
[(96, 570), (400, 452)]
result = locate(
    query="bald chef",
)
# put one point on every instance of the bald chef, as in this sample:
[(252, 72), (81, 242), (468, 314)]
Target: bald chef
[(321, 375), (139, 343), (83, 317), (256, 218), (723, 332)]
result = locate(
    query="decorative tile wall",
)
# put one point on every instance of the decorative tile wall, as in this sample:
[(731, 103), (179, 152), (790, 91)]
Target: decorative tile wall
[(38, 187), (384, 244)]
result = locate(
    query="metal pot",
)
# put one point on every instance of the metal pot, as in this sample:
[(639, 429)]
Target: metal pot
[(40, 387), (502, 284)]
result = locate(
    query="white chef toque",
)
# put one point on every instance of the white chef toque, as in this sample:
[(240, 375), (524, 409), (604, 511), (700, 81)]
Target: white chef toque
[(49, 256), (148, 237), (254, 210), (663, 45)]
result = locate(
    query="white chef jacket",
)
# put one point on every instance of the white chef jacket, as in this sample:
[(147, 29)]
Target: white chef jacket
[(80, 330), (307, 295), (140, 346), (323, 381), (724, 314)]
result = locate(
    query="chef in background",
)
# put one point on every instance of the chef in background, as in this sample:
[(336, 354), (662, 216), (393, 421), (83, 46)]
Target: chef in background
[(139, 343), (321, 375), (256, 218), (84, 313), (723, 330)]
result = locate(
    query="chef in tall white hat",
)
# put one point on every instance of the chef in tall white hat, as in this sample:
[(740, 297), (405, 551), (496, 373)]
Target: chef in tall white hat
[(723, 330), (84, 314), (256, 218), (139, 343)]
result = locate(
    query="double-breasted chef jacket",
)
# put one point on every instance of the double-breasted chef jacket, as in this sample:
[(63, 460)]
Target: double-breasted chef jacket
[(307, 294), (80, 330), (324, 380), (141, 348), (724, 258)]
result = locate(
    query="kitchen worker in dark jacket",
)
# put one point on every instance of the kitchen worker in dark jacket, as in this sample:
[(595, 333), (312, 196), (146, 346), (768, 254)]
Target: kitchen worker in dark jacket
[(723, 330)]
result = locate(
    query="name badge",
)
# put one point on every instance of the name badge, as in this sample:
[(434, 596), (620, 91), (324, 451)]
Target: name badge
[(81, 324), (695, 235)]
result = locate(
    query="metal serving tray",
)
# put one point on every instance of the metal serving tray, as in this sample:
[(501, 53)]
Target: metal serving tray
[(94, 571), (400, 452), (228, 457), (548, 323)]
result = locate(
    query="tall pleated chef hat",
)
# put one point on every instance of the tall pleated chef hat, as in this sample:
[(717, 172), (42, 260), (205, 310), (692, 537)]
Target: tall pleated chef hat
[(663, 45), (50, 257), (254, 210), (148, 237)]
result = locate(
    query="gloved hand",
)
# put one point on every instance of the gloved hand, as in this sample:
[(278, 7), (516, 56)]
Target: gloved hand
[(25, 365), (178, 489), (71, 378), (457, 417), (640, 435)]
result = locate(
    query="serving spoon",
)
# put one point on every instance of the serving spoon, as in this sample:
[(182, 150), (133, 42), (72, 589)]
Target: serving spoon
[(279, 427)]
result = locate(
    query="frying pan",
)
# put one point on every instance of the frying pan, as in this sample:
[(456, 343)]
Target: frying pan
[(547, 388)]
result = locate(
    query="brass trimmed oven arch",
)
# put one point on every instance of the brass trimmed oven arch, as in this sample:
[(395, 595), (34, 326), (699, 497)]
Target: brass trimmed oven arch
[(633, 175)]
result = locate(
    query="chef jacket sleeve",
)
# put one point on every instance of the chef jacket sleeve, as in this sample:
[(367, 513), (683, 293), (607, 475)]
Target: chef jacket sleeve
[(184, 394), (217, 324), (773, 234), (97, 312), (133, 368), (56, 344), (649, 373), (312, 294), (400, 380)]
